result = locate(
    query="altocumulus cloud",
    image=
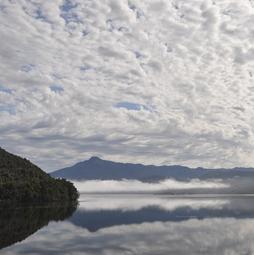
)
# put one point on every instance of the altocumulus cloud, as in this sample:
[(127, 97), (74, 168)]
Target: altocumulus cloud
[(154, 81)]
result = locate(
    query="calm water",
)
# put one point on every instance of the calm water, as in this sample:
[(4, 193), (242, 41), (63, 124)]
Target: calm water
[(132, 224)]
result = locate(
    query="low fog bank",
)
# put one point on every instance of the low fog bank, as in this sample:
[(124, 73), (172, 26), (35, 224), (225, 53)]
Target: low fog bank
[(135, 186), (170, 186)]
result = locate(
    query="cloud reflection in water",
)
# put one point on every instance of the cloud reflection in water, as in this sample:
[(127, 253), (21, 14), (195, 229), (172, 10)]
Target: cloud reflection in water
[(228, 231)]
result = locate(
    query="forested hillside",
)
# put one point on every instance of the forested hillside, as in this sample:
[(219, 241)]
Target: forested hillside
[(22, 181)]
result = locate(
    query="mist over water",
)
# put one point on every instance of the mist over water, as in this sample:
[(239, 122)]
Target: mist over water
[(135, 186), (236, 185)]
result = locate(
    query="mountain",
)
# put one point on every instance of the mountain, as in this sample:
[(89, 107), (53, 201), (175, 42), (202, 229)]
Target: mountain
[(96, 168), (22, 181), (94, 220)]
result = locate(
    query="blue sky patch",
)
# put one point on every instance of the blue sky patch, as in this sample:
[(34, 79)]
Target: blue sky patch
[(56, 88), (130, 106), (67, 12), (27, 68), (85, 68), (11, 109), (39, 14), (5, 90), (68, 5)]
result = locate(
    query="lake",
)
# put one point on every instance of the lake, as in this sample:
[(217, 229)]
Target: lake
[(132, 224)]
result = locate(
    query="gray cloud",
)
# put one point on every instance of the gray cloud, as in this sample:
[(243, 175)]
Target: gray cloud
[(65, 65)]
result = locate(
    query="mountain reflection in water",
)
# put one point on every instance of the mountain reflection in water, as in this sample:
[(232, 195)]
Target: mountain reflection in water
[(142, 224)]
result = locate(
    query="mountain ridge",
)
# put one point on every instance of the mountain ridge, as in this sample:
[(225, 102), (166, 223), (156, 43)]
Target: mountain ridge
[(100, 169)]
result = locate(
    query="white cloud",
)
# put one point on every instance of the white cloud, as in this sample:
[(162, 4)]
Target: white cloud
[(135, 186), (189, 64)]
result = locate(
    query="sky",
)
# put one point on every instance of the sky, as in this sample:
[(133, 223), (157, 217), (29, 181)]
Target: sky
[(147, 81)]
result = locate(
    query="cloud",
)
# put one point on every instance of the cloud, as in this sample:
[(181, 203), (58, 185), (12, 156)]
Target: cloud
[(135, 186), (189, 62), (236, 186)]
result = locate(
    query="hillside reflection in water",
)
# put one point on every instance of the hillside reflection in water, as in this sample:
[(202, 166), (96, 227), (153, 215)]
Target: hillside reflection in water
[(146, 224)]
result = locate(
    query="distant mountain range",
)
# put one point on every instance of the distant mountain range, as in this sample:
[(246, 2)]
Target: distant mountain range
[(98, 169)]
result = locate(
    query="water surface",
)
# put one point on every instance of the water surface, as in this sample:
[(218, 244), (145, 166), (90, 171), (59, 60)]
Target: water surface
[(134, 224)]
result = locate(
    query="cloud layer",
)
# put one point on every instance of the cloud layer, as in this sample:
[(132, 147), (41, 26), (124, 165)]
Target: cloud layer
[(134, 186), (141, 81)]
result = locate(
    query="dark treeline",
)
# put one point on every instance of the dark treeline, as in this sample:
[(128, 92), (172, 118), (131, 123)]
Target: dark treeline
[(22, 181)]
